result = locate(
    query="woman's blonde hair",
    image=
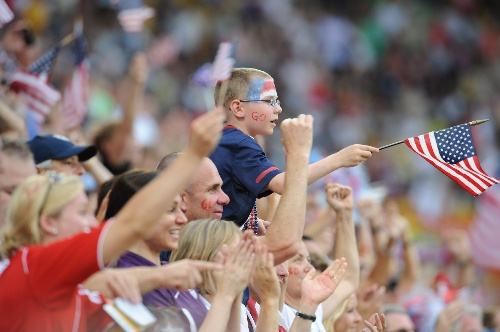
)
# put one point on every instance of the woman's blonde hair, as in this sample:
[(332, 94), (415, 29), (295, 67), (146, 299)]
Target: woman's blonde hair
[(201, 240), (38, 195), (329, 322)]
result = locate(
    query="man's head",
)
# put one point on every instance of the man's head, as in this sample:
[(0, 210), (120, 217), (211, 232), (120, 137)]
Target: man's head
[(252, 101), (397, 319), (16, 164), (57, 153), (203, 198)]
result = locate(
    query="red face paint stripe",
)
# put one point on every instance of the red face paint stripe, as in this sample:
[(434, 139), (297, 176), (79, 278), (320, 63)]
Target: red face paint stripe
[(264, 173)]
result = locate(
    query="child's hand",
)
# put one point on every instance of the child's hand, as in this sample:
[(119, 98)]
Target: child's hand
[(355, 154), (206, 131), (296, 134)]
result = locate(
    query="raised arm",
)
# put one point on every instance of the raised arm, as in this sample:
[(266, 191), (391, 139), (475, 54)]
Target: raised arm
[(138, 74), (341, 201), (347, 157), (285, 232), (137, 218)]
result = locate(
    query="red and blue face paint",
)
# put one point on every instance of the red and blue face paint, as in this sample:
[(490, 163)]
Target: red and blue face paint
[(261, 88)]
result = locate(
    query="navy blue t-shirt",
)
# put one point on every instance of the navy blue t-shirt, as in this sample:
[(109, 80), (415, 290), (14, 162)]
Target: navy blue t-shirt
[(245, 171)]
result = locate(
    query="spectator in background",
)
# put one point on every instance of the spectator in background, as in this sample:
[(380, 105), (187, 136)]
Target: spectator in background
[(16, 164), (114, 140), (398, 319), (57, 153), (17, 46)]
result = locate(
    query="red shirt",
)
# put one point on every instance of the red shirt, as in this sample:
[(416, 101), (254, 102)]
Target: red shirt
[(39, 288)]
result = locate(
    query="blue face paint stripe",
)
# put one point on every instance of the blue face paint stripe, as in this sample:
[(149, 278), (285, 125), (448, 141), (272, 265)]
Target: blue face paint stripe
[(255, 89)]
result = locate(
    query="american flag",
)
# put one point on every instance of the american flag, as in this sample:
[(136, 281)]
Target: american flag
[(485, 231), (38, 95), (132, 19), (76, 93), (6, 15), (223, 62), (452, 152)]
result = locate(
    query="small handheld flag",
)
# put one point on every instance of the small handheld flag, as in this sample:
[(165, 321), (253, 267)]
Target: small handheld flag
[(222, 66), (452, 152)]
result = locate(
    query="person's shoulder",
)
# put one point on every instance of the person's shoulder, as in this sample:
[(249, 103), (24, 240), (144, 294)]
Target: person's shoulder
[(232, 136)]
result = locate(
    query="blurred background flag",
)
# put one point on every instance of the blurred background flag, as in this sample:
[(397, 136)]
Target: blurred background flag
[(39, 96), (452, 152), (223, 62), (76, 93), (6, 15), (484, 232)]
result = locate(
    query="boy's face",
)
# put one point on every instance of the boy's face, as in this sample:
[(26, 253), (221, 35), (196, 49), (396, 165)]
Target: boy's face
[(261, 107)]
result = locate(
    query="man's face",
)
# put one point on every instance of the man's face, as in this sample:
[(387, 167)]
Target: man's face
[(70, 166), (298, 267), (204, 198), (13, 171)]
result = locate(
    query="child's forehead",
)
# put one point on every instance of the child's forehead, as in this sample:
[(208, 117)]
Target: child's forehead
[(261, 87)]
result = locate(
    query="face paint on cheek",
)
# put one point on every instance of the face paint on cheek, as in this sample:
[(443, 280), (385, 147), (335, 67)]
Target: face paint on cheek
[(256, 116), (261, 88), (293, 271), (206, 205)]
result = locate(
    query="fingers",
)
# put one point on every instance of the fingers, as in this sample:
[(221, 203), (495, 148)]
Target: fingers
[(125, 287), (205, 131), (205, 266)]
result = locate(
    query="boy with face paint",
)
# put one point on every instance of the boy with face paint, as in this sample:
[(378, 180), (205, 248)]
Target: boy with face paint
[(252, 108)]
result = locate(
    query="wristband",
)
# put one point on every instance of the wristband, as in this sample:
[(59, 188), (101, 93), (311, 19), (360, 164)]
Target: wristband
[(305, 316)]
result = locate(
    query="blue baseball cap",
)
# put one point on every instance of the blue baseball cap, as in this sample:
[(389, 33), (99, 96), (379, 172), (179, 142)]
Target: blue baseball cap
[(56, 147)]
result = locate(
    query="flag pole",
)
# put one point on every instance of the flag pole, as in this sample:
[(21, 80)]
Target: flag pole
[(67, 40), (471, 123)]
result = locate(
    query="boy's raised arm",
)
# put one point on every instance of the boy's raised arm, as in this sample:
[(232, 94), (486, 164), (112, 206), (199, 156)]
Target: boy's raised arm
[(347, 157)]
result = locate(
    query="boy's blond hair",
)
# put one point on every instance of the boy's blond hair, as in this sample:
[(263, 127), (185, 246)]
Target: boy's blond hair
[(238, 84)]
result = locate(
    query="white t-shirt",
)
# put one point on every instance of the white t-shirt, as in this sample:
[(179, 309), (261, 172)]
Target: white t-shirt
[(243, 315), (288, 315)]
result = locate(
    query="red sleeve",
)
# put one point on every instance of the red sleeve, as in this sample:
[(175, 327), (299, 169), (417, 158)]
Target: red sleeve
[(55, 270)]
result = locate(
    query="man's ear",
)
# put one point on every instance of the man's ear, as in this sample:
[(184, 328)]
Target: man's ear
[(49, 225), (236, 108)]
